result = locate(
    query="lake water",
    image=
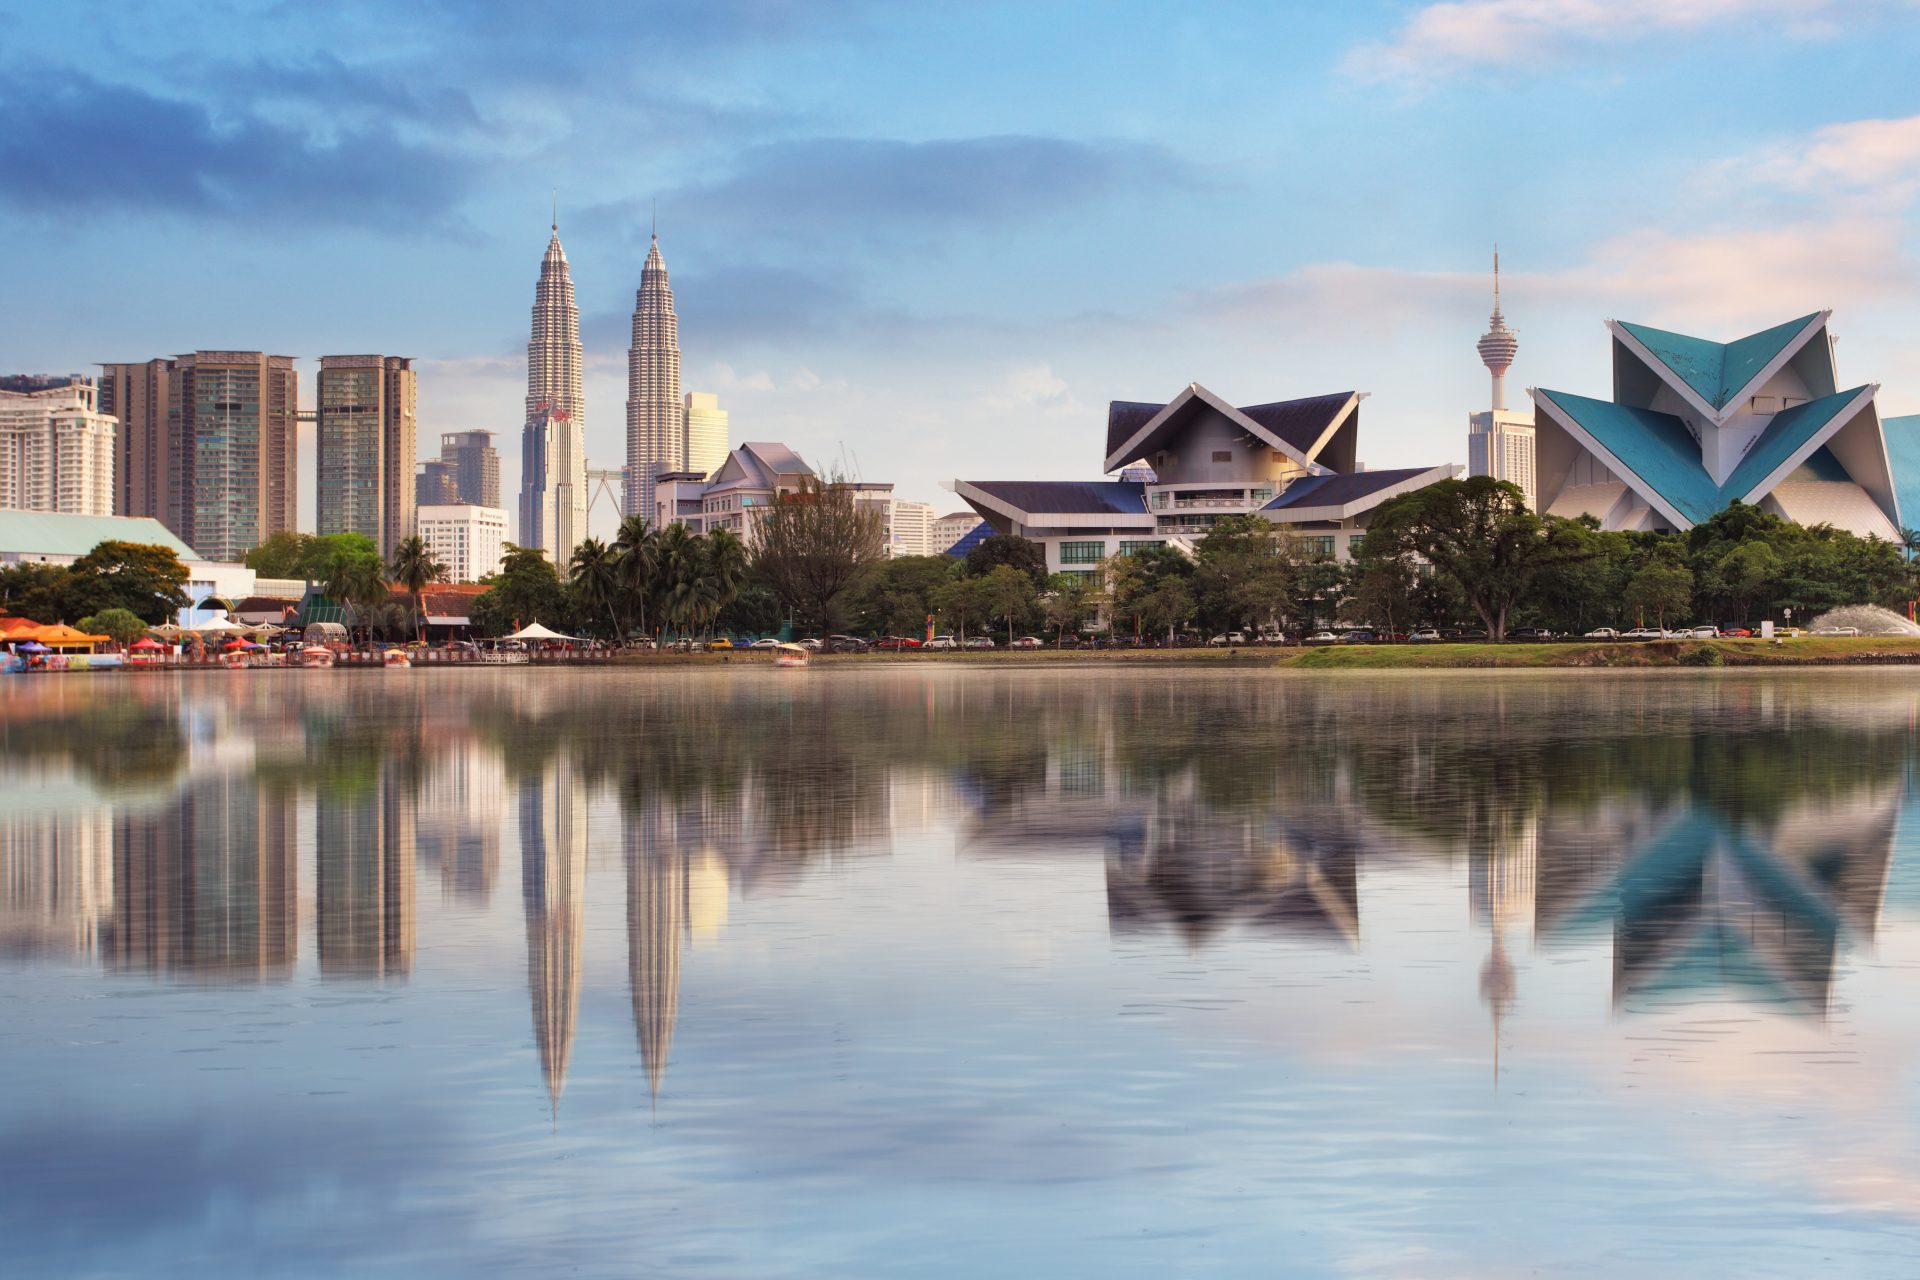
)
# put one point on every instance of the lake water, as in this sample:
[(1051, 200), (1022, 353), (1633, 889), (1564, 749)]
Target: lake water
[(937, 972)]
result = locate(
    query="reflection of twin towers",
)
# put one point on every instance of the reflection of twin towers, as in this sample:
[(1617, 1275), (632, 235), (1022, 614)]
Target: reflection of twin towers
[(672, 894)]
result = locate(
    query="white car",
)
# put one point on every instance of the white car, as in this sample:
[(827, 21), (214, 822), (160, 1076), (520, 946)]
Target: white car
[(1231, 637), (978, 642), (1026, 642), (941, 644), (1644, 633), (1425, 635), (765, 642), (1705, 633), (1322, 637), (813, 644), (1603, 633)]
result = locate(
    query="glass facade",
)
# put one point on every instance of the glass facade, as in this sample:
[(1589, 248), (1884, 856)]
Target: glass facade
[(1083, 552), (1130, 545), (1318, 545)]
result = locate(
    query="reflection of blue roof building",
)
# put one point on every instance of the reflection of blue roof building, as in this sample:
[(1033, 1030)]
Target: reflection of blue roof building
[(1695, 425), (1189, 462)]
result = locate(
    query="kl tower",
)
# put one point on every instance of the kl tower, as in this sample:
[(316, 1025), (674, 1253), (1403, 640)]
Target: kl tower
[(1499, 441)]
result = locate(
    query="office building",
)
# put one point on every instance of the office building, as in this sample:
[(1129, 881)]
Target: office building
[(553, 446), (56, 448), (911, 529), (749, 482), (704, 424), (1500, 442), (656, 436), (365, 447), (469, 540), (208, 446)]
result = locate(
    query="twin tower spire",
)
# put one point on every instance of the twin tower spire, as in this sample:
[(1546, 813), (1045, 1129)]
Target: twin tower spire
[(553, 470)]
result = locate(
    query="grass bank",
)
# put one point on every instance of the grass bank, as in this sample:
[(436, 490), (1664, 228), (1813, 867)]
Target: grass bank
[(1804, 652)]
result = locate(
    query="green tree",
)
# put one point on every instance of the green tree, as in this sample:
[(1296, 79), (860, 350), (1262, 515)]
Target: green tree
[(728, 566), (1068, 599), (413, 567), (1134, 576), (1478, 532), (526, 590), (964, 600), (148, 581), (637, 547), (1386, 591), (1661, 589), (1243, 574), (894, 597), (1008, 592), (997, 549), (123, 626), (1168, 604), (812, 546)]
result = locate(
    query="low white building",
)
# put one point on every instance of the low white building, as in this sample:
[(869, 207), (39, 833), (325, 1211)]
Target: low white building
[(56, 448), (469, 540)]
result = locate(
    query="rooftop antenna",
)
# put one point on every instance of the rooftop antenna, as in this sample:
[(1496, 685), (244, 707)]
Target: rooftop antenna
[(556, 210), (656, 217)]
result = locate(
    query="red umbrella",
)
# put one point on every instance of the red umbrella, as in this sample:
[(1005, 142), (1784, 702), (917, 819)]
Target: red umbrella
[(235, 643), (148, 643)]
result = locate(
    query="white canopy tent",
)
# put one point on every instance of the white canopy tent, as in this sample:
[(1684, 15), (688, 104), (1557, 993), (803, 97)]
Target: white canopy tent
[(537, 632)]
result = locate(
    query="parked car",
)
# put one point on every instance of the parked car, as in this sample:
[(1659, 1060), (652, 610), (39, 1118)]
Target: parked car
[(1026, 642), (765, 642), (1229, 637), (896, 644), (1836, 631), (1322, 637), (1530, 633), (720, 644), (1644, 633), (1705, 633), (1740, 632), (814, 643), (941, 644), (979, 642), (1425, 635), (1603, 633), (846, 644), (1359, 635)]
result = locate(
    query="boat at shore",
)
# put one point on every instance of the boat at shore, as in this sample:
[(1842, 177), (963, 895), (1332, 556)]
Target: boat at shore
[(791, 655), (396, 660), (317, 657)]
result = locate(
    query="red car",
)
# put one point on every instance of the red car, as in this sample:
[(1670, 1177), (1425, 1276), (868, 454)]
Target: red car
[(1736, 631), (895, 644)]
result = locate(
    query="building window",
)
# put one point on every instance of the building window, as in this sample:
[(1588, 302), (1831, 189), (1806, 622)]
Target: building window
[(1318, 546), (1160, 499), (1130, 545), (1223, 455), (1082, 552), (1262, 496), (1353, 543)]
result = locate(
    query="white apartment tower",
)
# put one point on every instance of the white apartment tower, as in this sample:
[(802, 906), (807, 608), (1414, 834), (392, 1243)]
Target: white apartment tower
[(553, 479), (912, 529), (706, 446), (469, 540), (56, 448), (656, 435), (1500, 441)]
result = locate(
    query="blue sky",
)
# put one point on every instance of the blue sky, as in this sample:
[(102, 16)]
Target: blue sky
[(941, 238)]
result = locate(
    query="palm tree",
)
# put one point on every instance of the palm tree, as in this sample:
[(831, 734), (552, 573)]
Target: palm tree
[(637, 547), (726, 558), (677, 568), (357, 579), (413, 567), (595, 567), (1910, 541)]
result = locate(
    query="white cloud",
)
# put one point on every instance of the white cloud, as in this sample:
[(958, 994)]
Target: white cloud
[(1458, 36), (1878, 159)]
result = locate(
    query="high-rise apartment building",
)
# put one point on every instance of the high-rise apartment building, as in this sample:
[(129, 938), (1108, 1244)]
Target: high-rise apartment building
[(434, 484), (656, 436), (705, 445), (1500, 443), (553, 446), (949, 529), (912, 529), (231, 450), (137, 395), (56, 448), (476, 466), (365, 447)]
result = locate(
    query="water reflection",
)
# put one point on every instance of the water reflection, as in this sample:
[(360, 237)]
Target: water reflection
[(1733, 839)]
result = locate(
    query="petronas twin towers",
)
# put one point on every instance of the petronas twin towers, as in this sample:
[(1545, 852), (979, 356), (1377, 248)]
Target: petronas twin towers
[(553, 474)]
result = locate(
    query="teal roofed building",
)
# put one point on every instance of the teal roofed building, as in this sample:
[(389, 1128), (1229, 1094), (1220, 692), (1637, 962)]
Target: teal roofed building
[(1696, 425)]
